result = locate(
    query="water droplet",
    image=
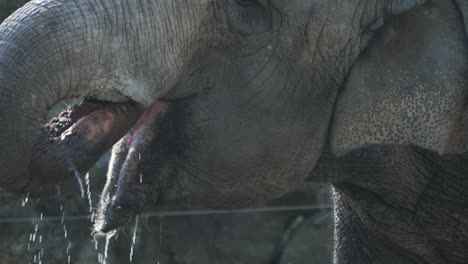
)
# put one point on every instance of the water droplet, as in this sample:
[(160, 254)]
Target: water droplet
[(65, 231), (25, 200), (63, 218), (68, 250)]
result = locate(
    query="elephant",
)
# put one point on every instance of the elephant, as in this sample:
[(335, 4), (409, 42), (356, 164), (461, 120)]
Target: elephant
[(229, 103)]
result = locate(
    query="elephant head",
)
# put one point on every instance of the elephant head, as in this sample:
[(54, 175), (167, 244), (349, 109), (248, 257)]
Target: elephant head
[(219, 103)]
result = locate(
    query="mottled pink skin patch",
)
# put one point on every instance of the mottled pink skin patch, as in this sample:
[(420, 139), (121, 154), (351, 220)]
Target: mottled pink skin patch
[(102, 127), (97, 125), (157, 112)]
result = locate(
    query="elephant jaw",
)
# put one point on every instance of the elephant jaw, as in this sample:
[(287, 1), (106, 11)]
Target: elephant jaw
[(127, 194)]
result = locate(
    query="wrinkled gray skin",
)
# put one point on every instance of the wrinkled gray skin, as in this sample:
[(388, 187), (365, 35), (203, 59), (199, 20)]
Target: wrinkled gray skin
[(254, 97)]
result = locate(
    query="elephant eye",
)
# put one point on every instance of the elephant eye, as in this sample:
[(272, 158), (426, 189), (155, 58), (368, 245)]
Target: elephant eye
[(248, 17), (247, 3)]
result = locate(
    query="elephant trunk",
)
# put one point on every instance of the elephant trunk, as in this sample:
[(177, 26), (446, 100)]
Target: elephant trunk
[(49, 51)]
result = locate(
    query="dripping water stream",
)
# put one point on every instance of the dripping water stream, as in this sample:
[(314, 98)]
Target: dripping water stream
[(90, 201), (109, 236), (132, 246)]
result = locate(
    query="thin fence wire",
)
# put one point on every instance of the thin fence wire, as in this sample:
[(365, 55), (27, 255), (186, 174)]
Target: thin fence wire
[(180, 213)]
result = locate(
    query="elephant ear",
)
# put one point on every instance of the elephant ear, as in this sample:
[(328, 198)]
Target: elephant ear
[(410, 86)]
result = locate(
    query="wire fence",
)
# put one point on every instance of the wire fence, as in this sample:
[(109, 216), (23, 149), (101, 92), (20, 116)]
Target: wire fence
[(179, 213)]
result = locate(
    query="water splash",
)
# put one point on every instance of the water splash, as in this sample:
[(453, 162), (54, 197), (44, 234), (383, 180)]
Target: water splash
[(132, 247)]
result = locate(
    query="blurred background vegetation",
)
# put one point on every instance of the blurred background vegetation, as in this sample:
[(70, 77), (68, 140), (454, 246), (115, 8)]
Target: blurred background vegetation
[(57, 229)]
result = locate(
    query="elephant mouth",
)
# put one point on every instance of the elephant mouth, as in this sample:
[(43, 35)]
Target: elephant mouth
[(94, 115), (72, 142), (90, 123)]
